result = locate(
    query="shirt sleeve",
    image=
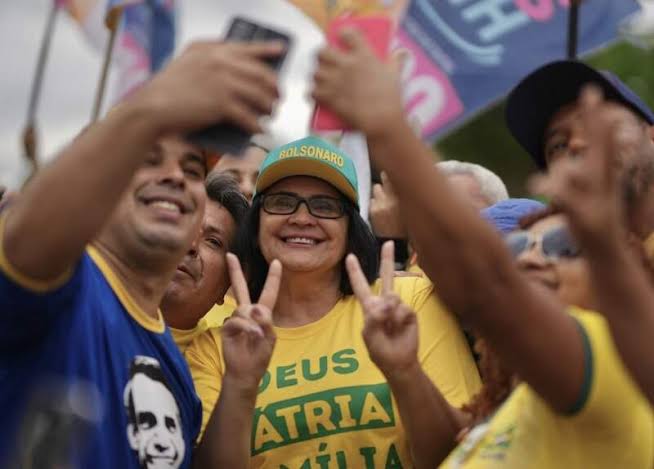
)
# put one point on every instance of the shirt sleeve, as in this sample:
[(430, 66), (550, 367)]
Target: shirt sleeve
[(27, 306), (443, 350), (207, 370), (610, 401)]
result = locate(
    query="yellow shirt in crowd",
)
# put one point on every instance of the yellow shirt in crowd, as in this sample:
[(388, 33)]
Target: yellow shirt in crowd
[(322, 399), (214, 318), (613, 429)]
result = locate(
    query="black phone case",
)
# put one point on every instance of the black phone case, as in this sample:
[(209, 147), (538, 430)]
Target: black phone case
[(228, 138)]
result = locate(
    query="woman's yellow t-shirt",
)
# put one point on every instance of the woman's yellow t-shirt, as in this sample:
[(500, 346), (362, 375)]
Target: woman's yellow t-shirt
[(322, 399), (613, 429)]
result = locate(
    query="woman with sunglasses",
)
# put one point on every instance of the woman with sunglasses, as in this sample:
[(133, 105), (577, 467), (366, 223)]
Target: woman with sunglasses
[(576, 405), (322, 398), (546, 253)]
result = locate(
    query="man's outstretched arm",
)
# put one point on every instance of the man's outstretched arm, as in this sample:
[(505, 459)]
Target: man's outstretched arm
[(65, 205)]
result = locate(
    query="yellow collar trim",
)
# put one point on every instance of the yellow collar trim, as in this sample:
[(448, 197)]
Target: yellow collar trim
[(147, 322)]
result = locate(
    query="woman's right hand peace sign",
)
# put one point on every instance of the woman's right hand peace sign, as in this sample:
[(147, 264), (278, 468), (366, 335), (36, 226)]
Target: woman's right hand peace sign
[(248, 336), (390, 329)]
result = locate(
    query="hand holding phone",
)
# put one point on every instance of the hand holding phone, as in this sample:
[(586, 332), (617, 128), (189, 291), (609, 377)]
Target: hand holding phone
[(229, 138), (377, 31)]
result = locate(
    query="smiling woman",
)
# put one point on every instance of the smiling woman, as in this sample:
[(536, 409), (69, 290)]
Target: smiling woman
[(322, 396)]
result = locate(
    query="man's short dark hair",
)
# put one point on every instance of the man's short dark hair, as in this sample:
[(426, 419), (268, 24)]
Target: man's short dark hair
[(223, 188)]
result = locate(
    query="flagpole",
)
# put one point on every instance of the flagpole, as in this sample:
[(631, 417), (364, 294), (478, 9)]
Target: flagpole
[(30, 139), (113, 22), (573, 29)]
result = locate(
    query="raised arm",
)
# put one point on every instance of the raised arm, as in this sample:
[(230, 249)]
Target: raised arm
[(591, 194), (65, 205), (472, 271)]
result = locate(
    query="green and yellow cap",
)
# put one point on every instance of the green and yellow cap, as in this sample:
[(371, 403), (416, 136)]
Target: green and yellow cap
[(310, 156)]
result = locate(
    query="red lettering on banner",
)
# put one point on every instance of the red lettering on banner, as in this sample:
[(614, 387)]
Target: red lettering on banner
[(539, 10)]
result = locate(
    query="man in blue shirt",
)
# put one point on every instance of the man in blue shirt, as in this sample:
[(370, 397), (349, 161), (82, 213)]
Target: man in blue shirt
[(89, 247)]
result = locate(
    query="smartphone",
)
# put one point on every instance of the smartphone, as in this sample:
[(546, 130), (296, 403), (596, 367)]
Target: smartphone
[(229, 138), (377, 30)]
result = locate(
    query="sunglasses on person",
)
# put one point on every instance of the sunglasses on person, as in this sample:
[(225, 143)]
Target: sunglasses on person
[(320, 206), (556, 243)]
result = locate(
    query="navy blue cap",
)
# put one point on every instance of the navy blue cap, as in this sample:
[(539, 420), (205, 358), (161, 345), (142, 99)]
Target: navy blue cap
[(534, 101)]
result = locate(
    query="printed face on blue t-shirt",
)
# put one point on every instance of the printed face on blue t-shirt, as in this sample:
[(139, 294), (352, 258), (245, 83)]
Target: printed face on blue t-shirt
[(154, 430)]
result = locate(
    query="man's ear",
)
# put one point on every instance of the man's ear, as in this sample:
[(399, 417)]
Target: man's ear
[(132, 436)]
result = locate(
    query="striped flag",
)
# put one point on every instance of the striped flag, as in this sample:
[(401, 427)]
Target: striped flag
[(146, 41), (115, 9), (145, 37)]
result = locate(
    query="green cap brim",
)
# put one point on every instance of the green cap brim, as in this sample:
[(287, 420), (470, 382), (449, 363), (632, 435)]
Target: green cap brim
[(299, 166)]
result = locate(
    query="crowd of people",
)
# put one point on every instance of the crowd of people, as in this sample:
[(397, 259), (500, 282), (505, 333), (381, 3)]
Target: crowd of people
[(231, 312)]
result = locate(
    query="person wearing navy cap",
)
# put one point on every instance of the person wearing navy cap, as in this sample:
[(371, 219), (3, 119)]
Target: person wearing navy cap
[(542, 110), (543, 115)]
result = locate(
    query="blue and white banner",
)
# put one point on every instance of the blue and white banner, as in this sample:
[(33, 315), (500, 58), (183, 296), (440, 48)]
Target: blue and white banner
[(466, 54)]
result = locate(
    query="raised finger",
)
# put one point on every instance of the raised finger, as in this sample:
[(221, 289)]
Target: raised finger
[(374, 310), (270, 290), (239, 285), (377, 192), (243, 116), (330, 56), (602, 129), (254, 95), (260, 49), (358, 280), (388, 185), (399, 58), (240, 325), (353, 40), (326, 77), (387, 267), (254, 72), (403, 316), (263, 317)]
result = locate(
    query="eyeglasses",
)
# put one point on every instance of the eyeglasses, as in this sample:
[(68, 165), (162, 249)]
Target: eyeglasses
[(555, 243), (320, 206)]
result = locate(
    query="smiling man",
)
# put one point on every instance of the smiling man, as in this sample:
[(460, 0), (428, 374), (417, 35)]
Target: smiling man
[(154, 420), (90, 246), (201, 279)]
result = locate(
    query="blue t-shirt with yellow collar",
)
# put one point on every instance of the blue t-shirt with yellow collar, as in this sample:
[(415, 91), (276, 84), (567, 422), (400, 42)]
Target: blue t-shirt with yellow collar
[(89, 331)]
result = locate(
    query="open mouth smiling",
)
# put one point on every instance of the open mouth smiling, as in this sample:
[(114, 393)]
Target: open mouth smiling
[(301, 240)]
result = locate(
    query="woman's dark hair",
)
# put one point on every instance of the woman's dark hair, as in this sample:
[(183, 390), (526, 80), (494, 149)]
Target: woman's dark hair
[(360, 242), (498, 383)]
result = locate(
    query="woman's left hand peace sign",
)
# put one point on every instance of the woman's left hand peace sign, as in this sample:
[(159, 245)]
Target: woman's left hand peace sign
[(390, 329)]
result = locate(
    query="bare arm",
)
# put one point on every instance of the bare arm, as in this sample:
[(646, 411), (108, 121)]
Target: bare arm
[(467, 261), (430, 422), (626, 298), (226, 440), (58, 213), (64, 207)]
